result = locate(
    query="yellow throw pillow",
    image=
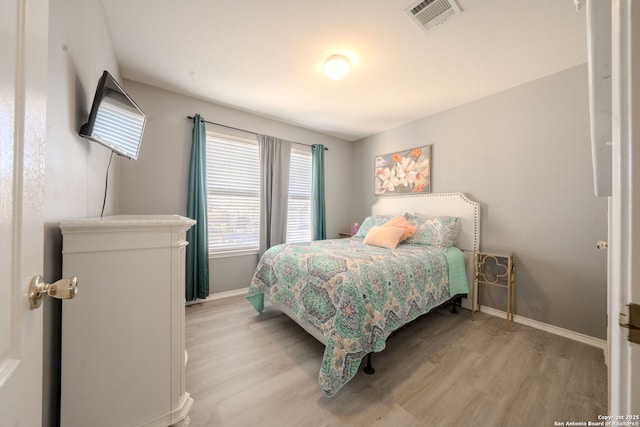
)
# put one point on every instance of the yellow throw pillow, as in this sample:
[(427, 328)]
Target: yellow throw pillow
[(384, 236), (401, 222)]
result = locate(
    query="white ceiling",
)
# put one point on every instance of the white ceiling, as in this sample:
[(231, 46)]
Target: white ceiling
[(266, 56)]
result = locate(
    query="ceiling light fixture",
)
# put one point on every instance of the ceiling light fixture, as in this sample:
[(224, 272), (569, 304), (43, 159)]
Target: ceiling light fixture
[(337, 67)]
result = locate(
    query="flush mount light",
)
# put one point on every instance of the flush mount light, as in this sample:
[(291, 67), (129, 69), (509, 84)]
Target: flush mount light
[(337, 67)]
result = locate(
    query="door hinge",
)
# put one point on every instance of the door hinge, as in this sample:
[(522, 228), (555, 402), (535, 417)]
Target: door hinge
[(630, 319)]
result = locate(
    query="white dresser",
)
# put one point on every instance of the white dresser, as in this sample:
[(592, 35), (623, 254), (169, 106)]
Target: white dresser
[(123, 343)]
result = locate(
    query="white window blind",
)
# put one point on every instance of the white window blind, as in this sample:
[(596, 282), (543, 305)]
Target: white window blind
[(233, 193), (299, 206)]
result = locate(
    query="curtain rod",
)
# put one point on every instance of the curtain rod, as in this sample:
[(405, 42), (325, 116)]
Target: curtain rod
[(248, 131)]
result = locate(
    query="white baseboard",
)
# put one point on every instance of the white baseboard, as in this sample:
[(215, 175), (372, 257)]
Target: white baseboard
[(227, 294), (197, 301), (219, 295), (576, 336)]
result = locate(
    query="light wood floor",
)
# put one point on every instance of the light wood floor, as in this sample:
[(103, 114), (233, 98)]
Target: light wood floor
[(247, 369)]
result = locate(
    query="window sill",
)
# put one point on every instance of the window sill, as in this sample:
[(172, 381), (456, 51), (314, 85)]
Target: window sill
[(230, 254)]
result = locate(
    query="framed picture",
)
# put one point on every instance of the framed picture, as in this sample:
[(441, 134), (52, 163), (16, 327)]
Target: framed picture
[(404, 172)]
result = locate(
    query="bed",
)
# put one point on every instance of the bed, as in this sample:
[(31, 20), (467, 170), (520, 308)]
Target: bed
[(351, 295)]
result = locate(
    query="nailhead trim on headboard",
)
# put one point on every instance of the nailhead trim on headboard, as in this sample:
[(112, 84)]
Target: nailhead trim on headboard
[(386, 202)]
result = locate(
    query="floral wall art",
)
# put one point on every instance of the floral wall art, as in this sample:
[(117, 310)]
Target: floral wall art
[(404, 172)]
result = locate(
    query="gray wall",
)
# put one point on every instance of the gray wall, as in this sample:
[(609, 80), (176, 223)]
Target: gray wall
[(156, 183), (79, 50), (524, 154)]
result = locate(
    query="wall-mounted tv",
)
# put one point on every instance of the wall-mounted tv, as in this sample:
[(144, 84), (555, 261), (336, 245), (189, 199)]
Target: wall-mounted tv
[(115, 121)]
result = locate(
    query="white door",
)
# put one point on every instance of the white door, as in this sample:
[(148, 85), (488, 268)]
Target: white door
[(624, 227), (23, 94)]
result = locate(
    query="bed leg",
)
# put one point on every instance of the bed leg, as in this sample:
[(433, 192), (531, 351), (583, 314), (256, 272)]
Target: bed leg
[(456, 302), (369, 368)]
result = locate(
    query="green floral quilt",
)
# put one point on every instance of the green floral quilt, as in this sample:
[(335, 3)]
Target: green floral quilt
[(356, 294)]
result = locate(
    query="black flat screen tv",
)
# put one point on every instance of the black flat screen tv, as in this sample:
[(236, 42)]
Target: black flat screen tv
[(115, 120)]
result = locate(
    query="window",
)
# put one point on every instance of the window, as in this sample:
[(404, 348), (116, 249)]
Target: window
[(299, 206), (233, 193)]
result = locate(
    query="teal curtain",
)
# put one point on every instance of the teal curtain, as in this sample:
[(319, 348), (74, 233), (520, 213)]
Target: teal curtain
[(317, 193), (197, 256)]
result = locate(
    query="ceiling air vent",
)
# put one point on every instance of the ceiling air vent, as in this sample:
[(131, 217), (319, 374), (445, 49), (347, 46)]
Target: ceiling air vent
[(430, 13)]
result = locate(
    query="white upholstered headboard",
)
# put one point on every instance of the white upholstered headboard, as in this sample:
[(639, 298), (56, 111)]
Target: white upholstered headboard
[(438, 204)]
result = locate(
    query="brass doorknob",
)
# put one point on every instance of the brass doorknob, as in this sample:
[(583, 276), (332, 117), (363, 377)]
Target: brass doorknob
[(62, 289)]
